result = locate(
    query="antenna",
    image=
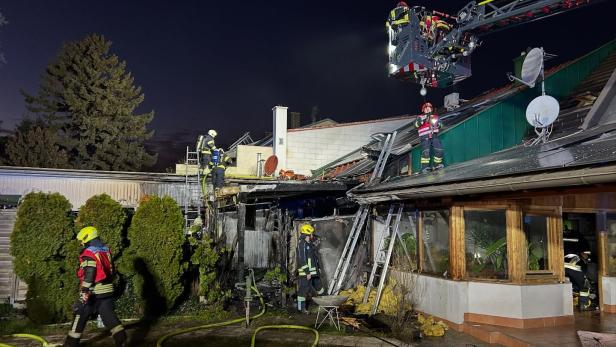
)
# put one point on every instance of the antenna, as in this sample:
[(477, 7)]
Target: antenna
[(541, 114), (531, 68)]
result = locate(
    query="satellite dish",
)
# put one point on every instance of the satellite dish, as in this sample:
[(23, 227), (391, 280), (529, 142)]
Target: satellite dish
[(270, 165), (542, 111), (532, 66)]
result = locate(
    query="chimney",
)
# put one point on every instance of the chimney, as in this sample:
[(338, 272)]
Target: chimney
[(280, 136), (294, 120)]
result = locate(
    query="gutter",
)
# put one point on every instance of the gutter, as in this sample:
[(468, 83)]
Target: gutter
[(581, 177)]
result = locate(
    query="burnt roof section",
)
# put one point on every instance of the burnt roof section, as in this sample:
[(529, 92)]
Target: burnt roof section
[(574, 110)]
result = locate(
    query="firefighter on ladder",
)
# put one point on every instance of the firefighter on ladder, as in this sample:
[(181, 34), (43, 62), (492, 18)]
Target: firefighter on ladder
[(205, 145), (307, 267), (96, 281), (428, 125)]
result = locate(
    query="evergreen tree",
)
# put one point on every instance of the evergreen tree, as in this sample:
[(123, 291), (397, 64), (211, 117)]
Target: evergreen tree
[(34, 145), (87, 95)]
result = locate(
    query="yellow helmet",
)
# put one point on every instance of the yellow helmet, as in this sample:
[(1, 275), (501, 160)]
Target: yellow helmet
[(212, 133), (306, 229), (87, 234)]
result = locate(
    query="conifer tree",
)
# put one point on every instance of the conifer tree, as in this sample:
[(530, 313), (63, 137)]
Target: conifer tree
[(89, 98)]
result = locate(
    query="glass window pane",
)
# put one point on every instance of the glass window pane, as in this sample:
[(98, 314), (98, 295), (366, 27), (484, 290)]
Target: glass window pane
[(536, 231), (435, 238), (405, 253), (486, 244), (611, 244)]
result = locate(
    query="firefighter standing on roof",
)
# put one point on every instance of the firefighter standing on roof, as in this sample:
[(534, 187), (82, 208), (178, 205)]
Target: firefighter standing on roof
[(428, 126), (96, 276), (307, 267)]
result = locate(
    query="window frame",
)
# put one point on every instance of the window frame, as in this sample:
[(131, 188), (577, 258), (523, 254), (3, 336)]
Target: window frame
[(420, 243)]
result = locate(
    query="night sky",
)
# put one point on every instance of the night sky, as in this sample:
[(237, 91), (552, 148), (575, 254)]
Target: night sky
[(225, 64)]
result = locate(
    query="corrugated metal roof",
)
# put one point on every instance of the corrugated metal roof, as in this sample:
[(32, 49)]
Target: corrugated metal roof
[(79, 185)]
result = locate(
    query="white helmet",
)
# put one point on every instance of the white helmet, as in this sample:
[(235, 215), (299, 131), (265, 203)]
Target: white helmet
[(212, 133)]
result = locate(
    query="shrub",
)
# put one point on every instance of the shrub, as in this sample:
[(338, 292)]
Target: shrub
[(109, 218), (156, 252), (44, 256), (204, 258)]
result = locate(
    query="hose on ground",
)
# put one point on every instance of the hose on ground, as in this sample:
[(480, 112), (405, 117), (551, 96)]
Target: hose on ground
[(316, 333), (26, 336), (160, 341)]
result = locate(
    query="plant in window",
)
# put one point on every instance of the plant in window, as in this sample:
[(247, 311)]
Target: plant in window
[(535, 254), (489, 256)]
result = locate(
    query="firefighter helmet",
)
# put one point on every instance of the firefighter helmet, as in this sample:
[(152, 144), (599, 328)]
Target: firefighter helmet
[(402, 4), (212, 133), (306, 229), (87, 234), (426, 105)]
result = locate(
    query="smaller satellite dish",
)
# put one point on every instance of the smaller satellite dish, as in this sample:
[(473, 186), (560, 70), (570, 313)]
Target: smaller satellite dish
[(532, 66), (270, 165), (542, 111)]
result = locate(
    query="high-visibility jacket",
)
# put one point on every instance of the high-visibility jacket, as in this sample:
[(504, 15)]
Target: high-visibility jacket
[(96, 269), (307, 260), (428, 124), (398, 16), (206, 144)]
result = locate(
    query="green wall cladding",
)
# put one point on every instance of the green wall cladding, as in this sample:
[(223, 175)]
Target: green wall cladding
[(504, 125)]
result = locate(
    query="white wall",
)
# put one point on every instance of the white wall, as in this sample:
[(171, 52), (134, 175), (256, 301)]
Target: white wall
[(449, 299), (311, 148), (247, 160)]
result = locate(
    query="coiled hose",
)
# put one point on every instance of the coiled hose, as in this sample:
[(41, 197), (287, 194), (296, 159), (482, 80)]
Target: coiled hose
[(26, 336), (316, 333)]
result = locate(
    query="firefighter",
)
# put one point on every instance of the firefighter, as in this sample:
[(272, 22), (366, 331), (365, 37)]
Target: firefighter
[(307, 267), (428, 125), (205, 146), (399, 16), (433, 27), (218, 165), (96, 289)]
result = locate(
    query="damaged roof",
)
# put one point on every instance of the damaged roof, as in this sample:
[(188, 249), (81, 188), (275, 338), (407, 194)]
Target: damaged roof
[(574, 109), (585, 157)]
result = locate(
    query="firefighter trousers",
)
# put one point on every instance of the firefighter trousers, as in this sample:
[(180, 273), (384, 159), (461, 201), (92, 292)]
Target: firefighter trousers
[(305, 286), (431, 144), (96, 306), (218, 177)]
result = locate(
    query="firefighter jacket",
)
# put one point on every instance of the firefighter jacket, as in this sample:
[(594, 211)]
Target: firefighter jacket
[(206, 144), (397, 17), (307, 260), (95, 268), (428, 124)]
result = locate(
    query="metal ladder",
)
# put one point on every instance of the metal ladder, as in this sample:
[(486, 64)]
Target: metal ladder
[(193, 195), (360, 219), (383, 256)]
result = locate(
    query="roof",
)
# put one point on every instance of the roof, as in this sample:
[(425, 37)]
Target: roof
[(573, 111), (581, 158), (336, 125)]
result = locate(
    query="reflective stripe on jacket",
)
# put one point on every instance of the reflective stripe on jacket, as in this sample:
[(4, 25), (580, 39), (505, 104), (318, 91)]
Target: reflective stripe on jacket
[(307, 260), (427, 125)]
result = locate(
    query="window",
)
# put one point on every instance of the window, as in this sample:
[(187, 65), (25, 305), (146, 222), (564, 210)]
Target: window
[(485, 243), (536, 232), (405, 253), (435, 242), (611, 244)]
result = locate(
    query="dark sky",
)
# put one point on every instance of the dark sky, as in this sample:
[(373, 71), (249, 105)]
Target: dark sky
[(224, 64)]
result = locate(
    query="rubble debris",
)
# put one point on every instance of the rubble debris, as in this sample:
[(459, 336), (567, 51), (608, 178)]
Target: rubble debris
[(388, 304)]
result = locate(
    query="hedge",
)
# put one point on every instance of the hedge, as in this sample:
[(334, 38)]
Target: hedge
[(156, 240), (45, 257), (109, 218)]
